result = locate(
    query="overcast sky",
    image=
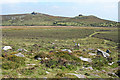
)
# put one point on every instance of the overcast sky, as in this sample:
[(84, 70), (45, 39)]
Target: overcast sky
[(106, 9)]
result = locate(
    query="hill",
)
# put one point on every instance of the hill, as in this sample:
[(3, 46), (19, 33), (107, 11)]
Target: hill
[(39, 19)]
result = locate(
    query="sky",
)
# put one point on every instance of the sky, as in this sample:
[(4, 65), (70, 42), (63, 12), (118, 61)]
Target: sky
[(105, 9)]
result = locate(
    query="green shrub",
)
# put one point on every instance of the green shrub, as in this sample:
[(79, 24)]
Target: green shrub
[(51, 63), (99, 62), (41, 55), (27, 71), (70, 67), (60, 74), (42, 72), (10, 65), (13, 58)]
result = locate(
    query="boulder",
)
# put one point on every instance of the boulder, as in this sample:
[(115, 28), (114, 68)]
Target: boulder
[(104, 54), (7, 48), (20, 55), (85, 59)]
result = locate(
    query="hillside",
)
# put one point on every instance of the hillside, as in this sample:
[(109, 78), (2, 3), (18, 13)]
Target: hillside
[(38, 19)]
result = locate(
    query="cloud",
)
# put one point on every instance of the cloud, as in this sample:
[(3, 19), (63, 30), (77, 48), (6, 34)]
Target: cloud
[(80, 1)]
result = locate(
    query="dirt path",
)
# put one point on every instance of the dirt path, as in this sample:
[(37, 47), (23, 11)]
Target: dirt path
[(96, 33)]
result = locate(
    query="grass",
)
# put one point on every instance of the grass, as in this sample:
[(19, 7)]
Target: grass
[(48, 43), (112, 36)]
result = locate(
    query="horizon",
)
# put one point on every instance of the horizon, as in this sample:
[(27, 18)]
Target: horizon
[(105, 9)]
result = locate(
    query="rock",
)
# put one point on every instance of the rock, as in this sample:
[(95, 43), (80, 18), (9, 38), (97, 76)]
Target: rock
[(92, 54), (67, 50), (85, 59), (33, 13), (7, 48), (53, 47), (22, 50), (104, 71), (104, 54), (111, 63), (118, 62), (39, 58), (108, 51), (46, 58), (87, 74), (20, 55), (53, 43), (81, 69), (89, 68), (78, 45), (50, 51), (74, 41), (84, 50), (78, 75), (35, 45), (112, 74), (30, 64), (90, 49), (47, 72)]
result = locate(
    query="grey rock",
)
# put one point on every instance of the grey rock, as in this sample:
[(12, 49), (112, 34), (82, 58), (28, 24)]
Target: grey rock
[(22, 50), (84, 50), (90, 49), (78, 75), (67, 50), (7, 48), (85, 59), (108, 51), (111, 63), (39, 58), (20, 55), (112, 74), (104, 54), (92, 54), (88, 68)]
